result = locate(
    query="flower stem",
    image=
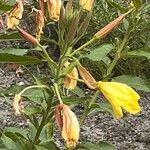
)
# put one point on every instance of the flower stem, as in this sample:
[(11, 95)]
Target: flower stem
[(83, 46), (34, 86), (57, 93)]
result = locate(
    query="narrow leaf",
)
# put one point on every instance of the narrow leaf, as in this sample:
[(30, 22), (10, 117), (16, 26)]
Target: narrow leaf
[(25, 60), (99, 53)]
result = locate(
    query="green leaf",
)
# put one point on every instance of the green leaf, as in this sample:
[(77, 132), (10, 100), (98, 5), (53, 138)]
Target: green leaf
[(10, 36), (117, 6), (99, 53), (135, 82), (95, 146), (30, 110), (140, 53), (101, 107), (6, 5), (14, 51), (49, 146), (36, 95), (12, 90), (73, 100), (9, 143), (25, 60), (137, 3), (78, 91)]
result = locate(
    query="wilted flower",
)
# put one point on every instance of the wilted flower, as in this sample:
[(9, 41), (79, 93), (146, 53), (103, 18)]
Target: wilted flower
[(87, 4), (39, 24), (68, 123), (70, 81), (17, 106), (54, 7), (14, 15), (120, 96)]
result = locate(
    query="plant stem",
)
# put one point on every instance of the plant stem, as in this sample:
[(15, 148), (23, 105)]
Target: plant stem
[(117, 56), (49, 60), (57, 93), (87, 108), (83, 46), (34, 86), (42, 124)]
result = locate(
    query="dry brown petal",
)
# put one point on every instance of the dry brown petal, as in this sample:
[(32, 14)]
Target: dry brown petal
[(19, 71), (87, 77), (17, 104)]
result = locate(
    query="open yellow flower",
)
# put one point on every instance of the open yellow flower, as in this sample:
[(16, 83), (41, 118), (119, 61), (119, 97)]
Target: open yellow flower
[(120, 96), (14, 15), (68, 123), (87, 4)]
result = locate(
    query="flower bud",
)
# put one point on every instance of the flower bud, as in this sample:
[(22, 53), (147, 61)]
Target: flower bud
[(109, 27), (87, 4), (17, 106), (70, 81), (69, 124), (14, 15), (39, 24), (120, 96), (42, 6), (28, 37), (87, 77), (54, 7)]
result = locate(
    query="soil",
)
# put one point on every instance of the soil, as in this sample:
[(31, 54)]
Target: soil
[(129, 133)]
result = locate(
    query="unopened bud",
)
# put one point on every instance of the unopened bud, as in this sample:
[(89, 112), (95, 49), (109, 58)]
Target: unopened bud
[(28, 37), (39, 24), (109, 27)]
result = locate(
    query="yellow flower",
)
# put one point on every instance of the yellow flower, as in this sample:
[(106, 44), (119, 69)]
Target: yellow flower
[(120, 96), (87, 4), (14, 15), (68, 123), (70, 81), (54, 7)]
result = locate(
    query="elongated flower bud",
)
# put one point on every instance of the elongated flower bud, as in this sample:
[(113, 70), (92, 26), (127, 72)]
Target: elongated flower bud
[(39, 24), (87, 77), (87, 4), (120, 96), (42, 6), (70, 81), (69, 124), (54, 7), (14, 15), (17, 106), (28, 37), (109, 27)]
